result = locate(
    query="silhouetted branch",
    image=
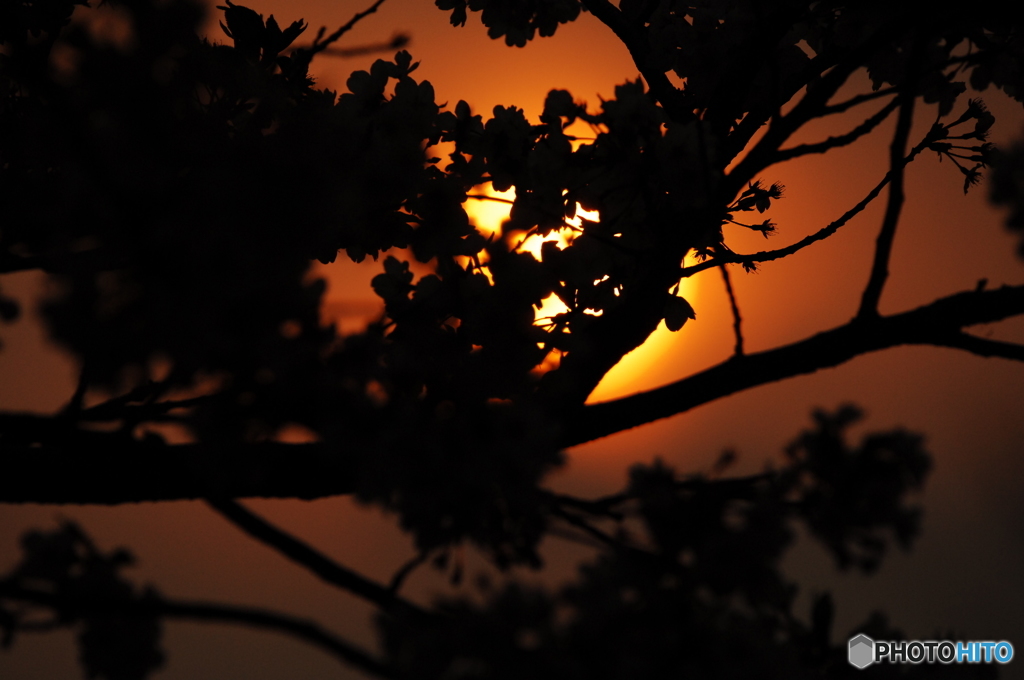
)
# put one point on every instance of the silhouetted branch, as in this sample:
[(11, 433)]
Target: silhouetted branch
[(883, 246), (737, 322), (984, 347), (587, 528), (399, 41), (811, 106), (48, 459), (734, 487), (403, 573), (839, 140), (319, 46), (152, 605), (574, 535), (74, 405), (485, 197), (858, 100), (931, 324), (598, 506), (820, 235), (311, 559)]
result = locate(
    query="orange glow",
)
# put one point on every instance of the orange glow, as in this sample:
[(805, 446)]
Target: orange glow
[(488, 209)]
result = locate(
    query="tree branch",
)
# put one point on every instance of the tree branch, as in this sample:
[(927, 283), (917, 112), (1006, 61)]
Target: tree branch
[(839, 140), (311, 559), (984, 347), (399, 41), (319, 46), (49, 459), (737, 322), (152, 605), (405, 570), (820, 235), (858, 100), (933, 324), (883, 246), (587, 528), (813, 105), (120, 469)]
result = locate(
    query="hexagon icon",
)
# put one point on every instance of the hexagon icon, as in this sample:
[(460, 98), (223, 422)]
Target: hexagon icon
[(862, 651)]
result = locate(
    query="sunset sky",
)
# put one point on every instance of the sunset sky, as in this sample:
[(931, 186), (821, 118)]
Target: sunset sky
[(964, 573)]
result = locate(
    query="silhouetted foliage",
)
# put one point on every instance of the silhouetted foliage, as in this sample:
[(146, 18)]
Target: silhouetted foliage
[(176, 191)]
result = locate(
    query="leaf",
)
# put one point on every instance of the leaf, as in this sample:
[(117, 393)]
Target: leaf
[(677, 312)]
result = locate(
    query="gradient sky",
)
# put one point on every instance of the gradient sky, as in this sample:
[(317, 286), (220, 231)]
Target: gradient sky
[(964, 573)]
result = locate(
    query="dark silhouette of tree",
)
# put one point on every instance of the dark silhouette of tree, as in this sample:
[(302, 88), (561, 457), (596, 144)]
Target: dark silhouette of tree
[(176, 191)]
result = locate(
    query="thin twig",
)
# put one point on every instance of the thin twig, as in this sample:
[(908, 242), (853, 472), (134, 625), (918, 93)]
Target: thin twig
[(319, 46), (747, 260), (74, 405), (811, 106), (403, 573), (305, 630), (984, 347), (737, 322), (840, 140), (598, 506), (396, 43), (883, 246), (587, 528), (574, 535), (858, 100), (485, 197), (735, 486)]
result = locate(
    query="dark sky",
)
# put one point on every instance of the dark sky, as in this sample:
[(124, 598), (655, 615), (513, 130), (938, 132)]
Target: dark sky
[(963, 574)]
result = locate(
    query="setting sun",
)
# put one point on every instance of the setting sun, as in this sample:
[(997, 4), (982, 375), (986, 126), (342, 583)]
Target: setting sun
[(488, 209)]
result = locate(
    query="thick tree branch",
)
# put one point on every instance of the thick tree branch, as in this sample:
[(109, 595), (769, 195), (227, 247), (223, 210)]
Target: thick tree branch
[(933, 324), (48, 459), (311, 559), (108, 468), (152, 605)]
